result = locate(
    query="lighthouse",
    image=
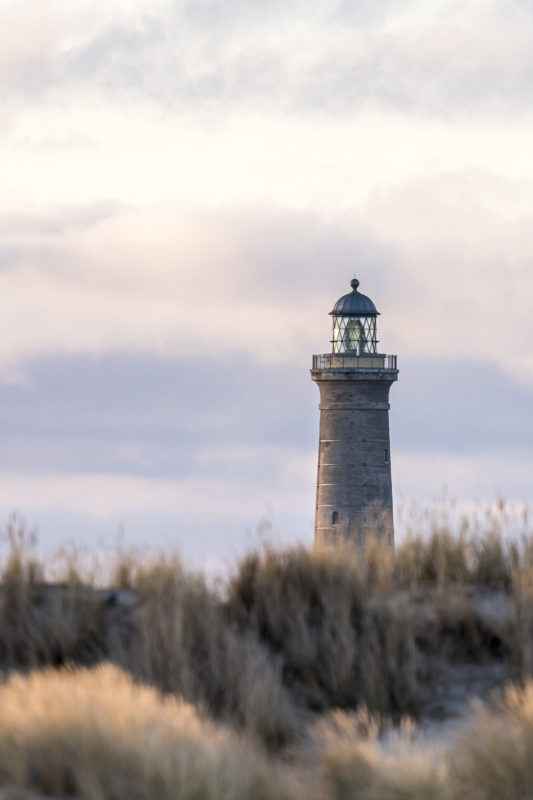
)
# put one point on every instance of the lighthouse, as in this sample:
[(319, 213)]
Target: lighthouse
[(354, 484)]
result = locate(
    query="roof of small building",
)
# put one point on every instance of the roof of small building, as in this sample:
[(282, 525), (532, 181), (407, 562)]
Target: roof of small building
[(354, 304)]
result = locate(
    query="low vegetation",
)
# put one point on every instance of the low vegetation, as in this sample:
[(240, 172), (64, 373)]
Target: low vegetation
[(97, 734), (303, 675)]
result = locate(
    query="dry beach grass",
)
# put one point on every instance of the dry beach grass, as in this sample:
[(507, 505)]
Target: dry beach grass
[(96, 734), (293, 680)]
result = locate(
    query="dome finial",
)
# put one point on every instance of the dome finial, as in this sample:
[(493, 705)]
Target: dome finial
[(354, 284)]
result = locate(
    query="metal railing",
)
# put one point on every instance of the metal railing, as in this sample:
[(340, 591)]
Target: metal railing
[(343, 361)]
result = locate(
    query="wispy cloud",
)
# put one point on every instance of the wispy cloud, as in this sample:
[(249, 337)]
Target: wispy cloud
[(173, 281), (323, 57)]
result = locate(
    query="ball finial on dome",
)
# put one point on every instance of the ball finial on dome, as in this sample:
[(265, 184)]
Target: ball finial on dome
[(354, 284)]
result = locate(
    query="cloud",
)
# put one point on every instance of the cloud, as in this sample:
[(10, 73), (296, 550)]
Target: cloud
[(28, 34), (188, 417), (446, 260), (325, 62), (173, 281), (244, 13), (144, 435), (157, 417), (480, 478), (460, 407), (194, 453), (463, 278), (187, 187), (341, 57), (55, 220), (196, 516)]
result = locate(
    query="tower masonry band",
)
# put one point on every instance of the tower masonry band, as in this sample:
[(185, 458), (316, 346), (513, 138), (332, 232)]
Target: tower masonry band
[(354, 486)]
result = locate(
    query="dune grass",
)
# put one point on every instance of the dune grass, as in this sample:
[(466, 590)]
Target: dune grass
[(494, 756), (293, 633), (95, 734), (349, 762), (300, 660), (181, 640), (340, 640)]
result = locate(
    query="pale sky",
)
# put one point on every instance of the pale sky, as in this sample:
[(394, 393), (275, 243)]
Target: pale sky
[(187, 188)]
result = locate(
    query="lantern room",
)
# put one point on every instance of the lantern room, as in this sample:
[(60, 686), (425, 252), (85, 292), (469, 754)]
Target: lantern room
[(354, 323)]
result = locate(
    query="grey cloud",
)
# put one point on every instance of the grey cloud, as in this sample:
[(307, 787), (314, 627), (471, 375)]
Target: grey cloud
[(215, 55), (433, 69), (151, 416), (181, 418), (368, 12), (217, 13), (163, 417), (245, 12), (33, 78), (152, 61), (460, 406), (297, 257), (120, 56)]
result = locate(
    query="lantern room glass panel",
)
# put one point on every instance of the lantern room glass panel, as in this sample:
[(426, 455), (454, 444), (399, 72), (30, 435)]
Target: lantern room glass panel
[(355, 335)]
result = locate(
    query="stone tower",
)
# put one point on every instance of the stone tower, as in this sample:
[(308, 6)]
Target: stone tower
[(354, 487)]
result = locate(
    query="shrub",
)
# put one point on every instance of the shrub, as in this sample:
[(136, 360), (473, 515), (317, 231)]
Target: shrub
[(96, 734), (339, 644), (352, 764), (183, 643), (494, 757)]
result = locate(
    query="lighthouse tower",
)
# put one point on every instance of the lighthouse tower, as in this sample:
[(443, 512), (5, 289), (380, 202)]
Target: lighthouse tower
[(354, 487)]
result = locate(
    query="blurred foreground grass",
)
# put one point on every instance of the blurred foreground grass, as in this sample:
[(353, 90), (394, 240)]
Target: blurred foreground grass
[(296, 679)]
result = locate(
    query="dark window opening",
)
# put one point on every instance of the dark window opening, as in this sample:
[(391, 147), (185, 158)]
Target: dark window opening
[(335, 518), (387, 460)]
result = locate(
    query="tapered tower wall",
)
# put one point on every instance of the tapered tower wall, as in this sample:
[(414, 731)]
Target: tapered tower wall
[(354, 485)]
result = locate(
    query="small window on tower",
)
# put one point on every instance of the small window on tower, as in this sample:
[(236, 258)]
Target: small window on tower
[(335, 518), (387, 460)]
